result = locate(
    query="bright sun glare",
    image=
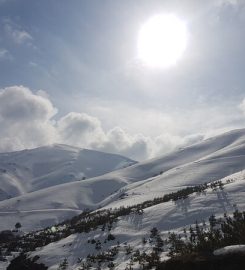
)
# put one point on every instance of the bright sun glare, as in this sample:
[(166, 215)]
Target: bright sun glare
[(162, 40)]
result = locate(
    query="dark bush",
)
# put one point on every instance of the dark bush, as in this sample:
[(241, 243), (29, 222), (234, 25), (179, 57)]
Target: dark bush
[(24, 263), (228, 262)]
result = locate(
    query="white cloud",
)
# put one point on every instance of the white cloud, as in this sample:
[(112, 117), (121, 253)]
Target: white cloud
[(19, 103), (26, 120), (18, 35), (5, 54), (80, 129), (83, 130), (119, 141)]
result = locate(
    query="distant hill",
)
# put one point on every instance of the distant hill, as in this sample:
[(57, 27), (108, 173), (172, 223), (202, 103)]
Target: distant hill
[(35, 169)]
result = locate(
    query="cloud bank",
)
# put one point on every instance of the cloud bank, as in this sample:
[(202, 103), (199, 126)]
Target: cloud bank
[(27, 121)]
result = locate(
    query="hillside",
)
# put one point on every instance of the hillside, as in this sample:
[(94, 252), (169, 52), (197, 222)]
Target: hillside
[(169, 193), (207, 161), (35, 169), (129, 237), (131, 229)]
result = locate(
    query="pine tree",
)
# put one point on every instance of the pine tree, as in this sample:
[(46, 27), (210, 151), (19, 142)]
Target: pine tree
[(17, 226), (111, 265), (63, 265), (212, 221), (154, 232)]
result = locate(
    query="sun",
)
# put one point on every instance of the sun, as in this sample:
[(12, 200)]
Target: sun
[(162, 41)]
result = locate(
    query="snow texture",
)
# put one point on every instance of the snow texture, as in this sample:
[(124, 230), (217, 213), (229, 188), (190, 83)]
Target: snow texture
[(230, 250)]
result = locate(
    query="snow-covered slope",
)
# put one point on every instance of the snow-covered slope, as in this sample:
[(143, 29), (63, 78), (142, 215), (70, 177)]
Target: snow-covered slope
[(209, 160), (30, 170), (131, 229)]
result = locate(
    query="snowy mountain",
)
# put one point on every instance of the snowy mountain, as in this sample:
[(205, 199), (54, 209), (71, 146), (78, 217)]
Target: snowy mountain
[(207, 161), (35, 169), (131, 229), (221, 158)]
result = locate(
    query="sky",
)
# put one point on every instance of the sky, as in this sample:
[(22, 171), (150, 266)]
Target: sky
[(70, 73)]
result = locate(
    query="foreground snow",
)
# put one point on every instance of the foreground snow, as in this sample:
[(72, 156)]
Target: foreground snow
[(168, 216), (230, 250)]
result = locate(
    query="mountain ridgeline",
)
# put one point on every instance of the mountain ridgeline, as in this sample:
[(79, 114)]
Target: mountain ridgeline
[(114, 213)]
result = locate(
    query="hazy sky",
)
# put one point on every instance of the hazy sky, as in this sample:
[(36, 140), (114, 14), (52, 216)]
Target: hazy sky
[(69, 73)]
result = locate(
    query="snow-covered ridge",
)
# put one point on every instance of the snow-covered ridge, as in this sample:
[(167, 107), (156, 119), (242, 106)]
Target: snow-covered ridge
[(35, 169), (209, 160), (129, 230)]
